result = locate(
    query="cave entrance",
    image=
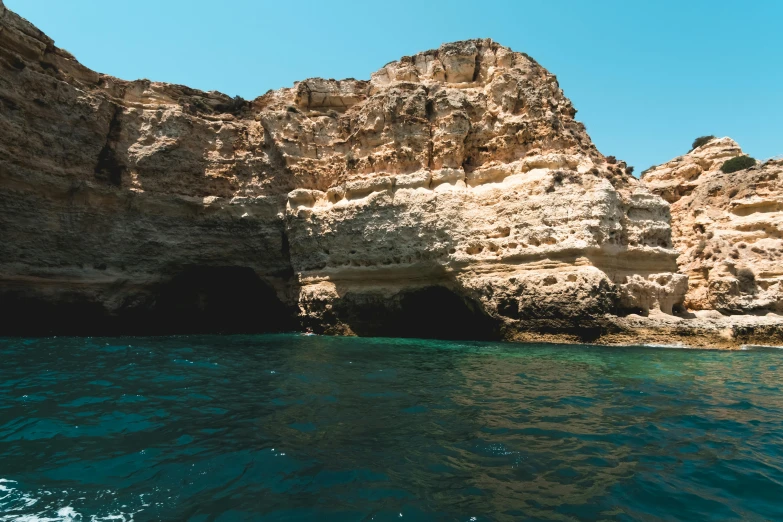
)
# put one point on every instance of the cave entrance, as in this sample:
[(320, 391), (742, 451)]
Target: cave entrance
[(219, 299), (433, 312), (197, 300)]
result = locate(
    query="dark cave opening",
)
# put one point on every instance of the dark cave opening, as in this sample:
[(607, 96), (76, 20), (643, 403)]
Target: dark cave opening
[(433, 312), (219, 299), (196, 300), (38, 312)]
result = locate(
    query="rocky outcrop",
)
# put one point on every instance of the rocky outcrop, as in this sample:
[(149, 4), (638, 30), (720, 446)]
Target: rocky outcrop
[(132, 206), (451, 195), (728, 228), (478, 181)]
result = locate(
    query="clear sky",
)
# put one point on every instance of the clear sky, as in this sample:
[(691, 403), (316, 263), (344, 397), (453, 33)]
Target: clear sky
[(647, 76)]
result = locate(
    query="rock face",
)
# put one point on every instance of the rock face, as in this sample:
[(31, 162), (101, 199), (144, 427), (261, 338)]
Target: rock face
[(464, 169), (132, 206), (451, 195), (728, 228)]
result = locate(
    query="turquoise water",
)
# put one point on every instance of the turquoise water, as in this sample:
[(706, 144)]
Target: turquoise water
[(287, 427)]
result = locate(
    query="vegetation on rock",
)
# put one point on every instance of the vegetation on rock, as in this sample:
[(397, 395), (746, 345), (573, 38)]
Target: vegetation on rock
[(701, 140), (738, 163)]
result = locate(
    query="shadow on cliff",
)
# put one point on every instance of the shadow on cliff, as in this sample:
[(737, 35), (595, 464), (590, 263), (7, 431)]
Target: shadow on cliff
[(433, 312), (196, 300), (229, 299)]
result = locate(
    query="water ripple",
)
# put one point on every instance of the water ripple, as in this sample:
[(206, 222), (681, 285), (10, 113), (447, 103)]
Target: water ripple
[(288, 427)]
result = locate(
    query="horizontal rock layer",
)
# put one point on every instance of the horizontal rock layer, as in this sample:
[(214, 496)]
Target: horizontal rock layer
[(728, 228), (451, 195)]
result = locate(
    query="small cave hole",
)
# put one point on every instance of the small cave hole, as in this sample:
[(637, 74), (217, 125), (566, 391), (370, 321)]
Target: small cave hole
[(433, 312)]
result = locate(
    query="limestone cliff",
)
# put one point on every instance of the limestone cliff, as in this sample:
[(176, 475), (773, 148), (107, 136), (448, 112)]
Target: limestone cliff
[(132, 206), (728, 228), (452, 195)]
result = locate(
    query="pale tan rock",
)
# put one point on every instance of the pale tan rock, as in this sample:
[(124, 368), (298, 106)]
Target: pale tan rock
[(451, 195), (727, 227), (480, 181)]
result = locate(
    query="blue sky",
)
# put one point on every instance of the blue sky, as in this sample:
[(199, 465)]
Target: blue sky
[(646, 76)]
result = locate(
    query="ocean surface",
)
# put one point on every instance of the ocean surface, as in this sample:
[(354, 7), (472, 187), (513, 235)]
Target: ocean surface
[(295, 428)]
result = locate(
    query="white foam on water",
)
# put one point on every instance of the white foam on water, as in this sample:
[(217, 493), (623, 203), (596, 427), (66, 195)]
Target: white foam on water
[(672, 345), (759, 346), (678, 346), (19, 506), (68, 513)]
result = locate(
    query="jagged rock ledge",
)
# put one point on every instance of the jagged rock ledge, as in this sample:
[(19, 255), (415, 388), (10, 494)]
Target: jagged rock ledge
[(728, 228), (452, 195)]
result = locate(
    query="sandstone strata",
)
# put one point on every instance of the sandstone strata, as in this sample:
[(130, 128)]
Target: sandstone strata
[(728, 228), (451, 195)]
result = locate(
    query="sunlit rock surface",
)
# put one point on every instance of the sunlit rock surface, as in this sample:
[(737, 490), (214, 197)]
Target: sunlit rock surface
[(727, 227), (451, 195)]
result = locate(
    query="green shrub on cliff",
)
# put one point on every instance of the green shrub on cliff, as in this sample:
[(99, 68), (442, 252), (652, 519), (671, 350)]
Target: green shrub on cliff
[(738, 163), (648, 169), (701, 140)]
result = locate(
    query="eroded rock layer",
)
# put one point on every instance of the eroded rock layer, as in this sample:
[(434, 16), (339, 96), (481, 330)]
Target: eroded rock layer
[(132, 206), (451, 195), (728, 228)]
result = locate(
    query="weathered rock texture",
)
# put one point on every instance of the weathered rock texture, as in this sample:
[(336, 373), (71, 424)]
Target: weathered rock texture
[(728, 228), (451, 195)]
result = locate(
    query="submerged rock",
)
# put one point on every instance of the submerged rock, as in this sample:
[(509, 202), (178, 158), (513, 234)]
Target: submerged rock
[(451, 195)]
